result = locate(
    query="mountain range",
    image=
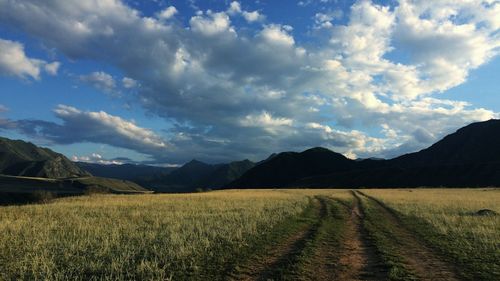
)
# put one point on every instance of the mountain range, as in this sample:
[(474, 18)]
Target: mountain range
[(189, 177), (469, 157), (198, 175)]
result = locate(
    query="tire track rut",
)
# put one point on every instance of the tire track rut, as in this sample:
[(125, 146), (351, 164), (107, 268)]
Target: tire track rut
[(282, 255), (423, 261), (359, 259), (344, 251)]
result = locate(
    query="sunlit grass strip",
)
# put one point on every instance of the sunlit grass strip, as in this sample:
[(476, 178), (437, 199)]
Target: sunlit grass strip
[(137, 237), (446, 219), (382, 233)]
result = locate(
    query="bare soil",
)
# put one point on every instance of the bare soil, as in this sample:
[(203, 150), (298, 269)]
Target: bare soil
[(359, 259)]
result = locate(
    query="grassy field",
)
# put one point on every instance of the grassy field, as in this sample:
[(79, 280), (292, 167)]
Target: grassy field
[(254, 235), (448, 220)]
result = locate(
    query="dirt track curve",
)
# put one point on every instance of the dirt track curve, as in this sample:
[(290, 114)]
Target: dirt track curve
[(359, 259), (344, 249), (269, 267), (422, 260)]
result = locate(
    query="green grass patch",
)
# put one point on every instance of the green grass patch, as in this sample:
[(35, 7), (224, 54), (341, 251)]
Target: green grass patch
[(446, 220), (382, 234), (480, 264), (329, 233)]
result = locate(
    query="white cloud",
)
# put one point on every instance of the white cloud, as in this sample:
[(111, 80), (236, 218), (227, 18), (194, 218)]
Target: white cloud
[(3, 108), (167, 13), (129, 83), (96, 158), (14, 62), (234, 8), (52, 68), (324, 20), (104, 124), (100, 80), (215, 23), (253, 16), (277, 34), (266, 121)]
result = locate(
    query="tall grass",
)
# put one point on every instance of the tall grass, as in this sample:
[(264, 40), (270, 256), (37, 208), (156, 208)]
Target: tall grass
[(470, 239), (137, 237), (202, 236)]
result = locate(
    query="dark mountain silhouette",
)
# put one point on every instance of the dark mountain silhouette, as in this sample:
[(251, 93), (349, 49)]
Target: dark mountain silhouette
[(131, 172), (183, 179), (468, 157), (287, 167), (20, 158), (225, 174), (196, 174), (474, 143)]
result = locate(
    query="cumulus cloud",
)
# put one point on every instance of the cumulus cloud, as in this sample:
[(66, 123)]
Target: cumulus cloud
[(324, 20), (95, 127), (129, 83), (102, 81), (253, 16), (278, 34), (167, 13), (266, 121), (212, 24), (229, 91), (14, 62)]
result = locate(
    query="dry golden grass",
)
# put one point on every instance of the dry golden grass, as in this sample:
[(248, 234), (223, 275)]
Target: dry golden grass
[(196, 236), (451, 211), (136, 236), (471, 240)]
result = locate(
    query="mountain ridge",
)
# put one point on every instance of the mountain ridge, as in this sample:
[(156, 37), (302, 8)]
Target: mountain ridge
[(20, 158), (468, 157)]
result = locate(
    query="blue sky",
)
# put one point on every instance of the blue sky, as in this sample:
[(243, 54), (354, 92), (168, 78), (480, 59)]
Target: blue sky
[(163, 82)]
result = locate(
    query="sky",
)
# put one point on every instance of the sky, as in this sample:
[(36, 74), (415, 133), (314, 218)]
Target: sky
[(163, 82)]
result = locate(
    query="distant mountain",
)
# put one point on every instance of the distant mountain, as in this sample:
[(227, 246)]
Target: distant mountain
[(131, 172), (287, 167), (225, 174), (196, 174), (468, 157), (183, 179), (20, 158)]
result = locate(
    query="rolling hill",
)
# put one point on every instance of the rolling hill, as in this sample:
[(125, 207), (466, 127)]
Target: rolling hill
[(20, 158)]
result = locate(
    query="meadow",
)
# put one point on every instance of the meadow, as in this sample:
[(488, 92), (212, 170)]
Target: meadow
[(449, 220), (252, 235)]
